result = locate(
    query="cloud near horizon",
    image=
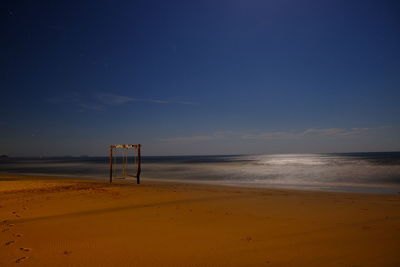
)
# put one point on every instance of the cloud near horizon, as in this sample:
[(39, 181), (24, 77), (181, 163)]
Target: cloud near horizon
[(188, 139), (333, 132), (329, 132)]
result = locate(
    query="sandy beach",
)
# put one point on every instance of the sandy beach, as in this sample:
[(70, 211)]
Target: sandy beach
[(53, 221)]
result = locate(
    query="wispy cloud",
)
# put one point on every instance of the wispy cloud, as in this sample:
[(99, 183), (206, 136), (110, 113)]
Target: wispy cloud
[(91, 106), (100, 101), (195, 138), (111, 99), (308, 132)]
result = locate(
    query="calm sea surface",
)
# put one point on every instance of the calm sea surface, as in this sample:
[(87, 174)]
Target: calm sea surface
[(351, 172)]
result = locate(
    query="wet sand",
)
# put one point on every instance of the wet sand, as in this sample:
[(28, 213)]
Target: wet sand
[(48, 221)]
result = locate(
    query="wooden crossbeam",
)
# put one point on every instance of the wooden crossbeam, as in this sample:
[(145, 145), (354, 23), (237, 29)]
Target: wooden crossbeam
[(126, 146)]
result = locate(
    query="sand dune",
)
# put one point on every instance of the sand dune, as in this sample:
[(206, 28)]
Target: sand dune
[(48, 221)]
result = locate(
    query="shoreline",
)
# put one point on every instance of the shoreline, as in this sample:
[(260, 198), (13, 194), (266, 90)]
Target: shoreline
[(372, 188), (87, 222)]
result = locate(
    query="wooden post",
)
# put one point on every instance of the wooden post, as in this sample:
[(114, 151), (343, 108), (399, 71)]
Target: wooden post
[(138, 166), (111, 163)]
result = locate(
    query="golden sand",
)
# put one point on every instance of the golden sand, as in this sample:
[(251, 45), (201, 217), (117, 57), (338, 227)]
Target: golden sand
[(47, 221)]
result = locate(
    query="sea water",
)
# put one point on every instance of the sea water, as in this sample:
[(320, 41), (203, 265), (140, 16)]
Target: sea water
[(351, 172)]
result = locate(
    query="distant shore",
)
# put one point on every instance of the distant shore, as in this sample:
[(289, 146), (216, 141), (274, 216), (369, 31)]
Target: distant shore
[(53, 221)]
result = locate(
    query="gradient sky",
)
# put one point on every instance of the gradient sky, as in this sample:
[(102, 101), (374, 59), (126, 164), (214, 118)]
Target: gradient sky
[(199, 77)]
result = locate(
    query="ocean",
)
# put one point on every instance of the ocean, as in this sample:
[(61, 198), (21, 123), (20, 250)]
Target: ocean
[(347, 172)]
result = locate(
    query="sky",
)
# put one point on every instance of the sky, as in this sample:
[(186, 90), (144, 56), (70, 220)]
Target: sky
[(199, 77)]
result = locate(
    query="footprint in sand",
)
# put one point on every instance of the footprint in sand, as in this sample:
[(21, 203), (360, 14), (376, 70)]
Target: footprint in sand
[(10, 225), (25, 249), (17, 235), (247, 238), (21, 259), (9, 243), (5, 230), (15, 213)]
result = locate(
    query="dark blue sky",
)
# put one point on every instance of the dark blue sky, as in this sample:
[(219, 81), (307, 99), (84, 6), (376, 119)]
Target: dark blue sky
[(199, 77)]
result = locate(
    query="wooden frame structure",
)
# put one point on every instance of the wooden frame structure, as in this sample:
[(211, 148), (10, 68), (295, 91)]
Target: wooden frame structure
[(138, 161)]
